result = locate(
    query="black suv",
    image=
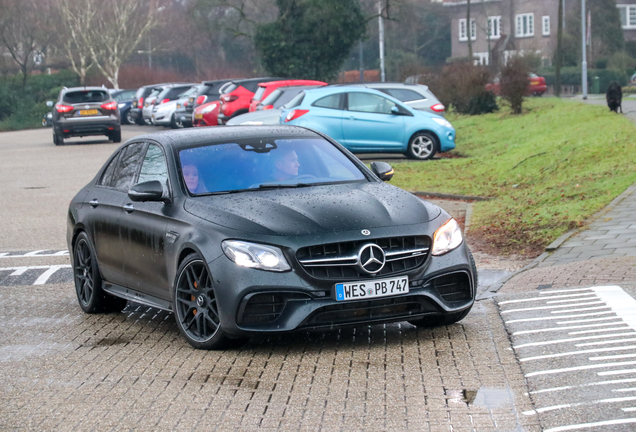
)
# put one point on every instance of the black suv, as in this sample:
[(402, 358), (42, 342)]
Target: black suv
[(85, 111)]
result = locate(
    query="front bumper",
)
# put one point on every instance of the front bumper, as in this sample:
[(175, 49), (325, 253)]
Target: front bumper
[(254, 301), (184, 116)]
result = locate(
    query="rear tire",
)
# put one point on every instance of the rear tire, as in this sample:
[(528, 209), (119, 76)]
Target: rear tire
[(88, 280), (128, 118), (422, 146), (116, 136), (57, 140)]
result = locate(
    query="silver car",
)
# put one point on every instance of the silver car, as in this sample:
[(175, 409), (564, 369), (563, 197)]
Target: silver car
[(417, 96)]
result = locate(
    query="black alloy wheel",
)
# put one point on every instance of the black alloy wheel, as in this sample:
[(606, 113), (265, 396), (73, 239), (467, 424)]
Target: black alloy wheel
[(195, 306), (88, 280)]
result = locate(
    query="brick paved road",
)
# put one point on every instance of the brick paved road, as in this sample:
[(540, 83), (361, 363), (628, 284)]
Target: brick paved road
[(65, 370)]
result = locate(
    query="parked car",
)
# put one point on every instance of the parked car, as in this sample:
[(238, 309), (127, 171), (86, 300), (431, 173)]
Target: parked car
[(85, 111), (369, 121), (236, 96), (124, 104), (149, 104), (269, 110), (536, 85), (206, 114), (164, 112), (417, 96), (139, 100), (47, 119), (296, 231), (207, 91), (168, 93), (266, 88)]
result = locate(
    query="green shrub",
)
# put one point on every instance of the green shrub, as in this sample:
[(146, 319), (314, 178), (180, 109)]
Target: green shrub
[(513, 83), (463, 86), (572, 76)]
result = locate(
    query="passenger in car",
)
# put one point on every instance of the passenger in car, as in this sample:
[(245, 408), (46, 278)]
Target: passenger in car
[(193, 182)]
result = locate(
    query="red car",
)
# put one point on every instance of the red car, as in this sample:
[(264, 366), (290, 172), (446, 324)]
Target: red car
[(536, 85), (236, 96), (206, 114), (266, 88)]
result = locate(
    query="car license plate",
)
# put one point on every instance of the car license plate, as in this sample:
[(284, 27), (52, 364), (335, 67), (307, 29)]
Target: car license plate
[(198, 116), (534, 83), (372, 288), (88, 112)]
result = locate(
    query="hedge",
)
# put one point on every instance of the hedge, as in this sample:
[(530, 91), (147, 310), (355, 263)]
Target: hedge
[(572, 76)]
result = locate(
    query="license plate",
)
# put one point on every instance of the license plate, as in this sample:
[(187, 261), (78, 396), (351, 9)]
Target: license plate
[(198, 116), (372, 288), (88, 112), (534, 82)]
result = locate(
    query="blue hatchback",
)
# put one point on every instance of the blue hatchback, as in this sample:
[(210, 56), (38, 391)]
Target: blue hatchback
[(368, 121)]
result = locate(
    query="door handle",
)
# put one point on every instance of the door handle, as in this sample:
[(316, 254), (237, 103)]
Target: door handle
[(129, 208), (93, 203)]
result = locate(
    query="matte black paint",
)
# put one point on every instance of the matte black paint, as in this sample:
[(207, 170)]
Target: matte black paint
[(140, 248)]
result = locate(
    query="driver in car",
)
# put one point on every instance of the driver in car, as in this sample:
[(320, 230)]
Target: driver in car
[(285, 165)]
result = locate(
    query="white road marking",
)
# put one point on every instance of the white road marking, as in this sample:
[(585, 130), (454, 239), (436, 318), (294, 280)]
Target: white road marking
[(558, 317), (599, 383), (607, 342), (629, 409), (589, 320), (618, 372), (612, 357), (47, 274), (18, 270), (565, 290), (557, 407), (552, 329), (590, 297), (589, 351), (29, 254), (558, 341), (623, 327), (3, 254), (552, 307), (579, 368), (33, 254), (591, 425), (539, 298), (625, 389)]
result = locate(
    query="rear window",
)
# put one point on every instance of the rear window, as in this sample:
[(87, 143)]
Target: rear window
[(403, 95), (259, 93), (295, 101), (86, 96), (331, 101), (227, 88)]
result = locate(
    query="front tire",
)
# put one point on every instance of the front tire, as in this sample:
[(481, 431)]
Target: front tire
[(128, 118), (195, 307), (88, 280), (422, 146)]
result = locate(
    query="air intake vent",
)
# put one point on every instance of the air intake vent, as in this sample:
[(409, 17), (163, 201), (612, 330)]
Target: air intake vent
[(453, 287)]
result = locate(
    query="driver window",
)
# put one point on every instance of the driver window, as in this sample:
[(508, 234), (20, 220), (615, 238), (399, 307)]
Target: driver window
[(154, 167), (128, 166), (366, 102)]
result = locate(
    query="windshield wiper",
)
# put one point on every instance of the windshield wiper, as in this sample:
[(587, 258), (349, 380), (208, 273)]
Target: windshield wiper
[(283, 185)]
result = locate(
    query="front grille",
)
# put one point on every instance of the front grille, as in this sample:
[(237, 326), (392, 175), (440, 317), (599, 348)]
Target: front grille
[(453, 287), (371, 310), (265, 308), (339, 261)]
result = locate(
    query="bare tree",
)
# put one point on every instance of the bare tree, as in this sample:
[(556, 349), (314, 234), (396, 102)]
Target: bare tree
[(116, 30), (76, 18), (22, 30)]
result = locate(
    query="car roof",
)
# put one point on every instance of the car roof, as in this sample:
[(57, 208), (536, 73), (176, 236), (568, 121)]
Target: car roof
[(318, 92), (382, 85), (213, 82), (70, 89), (194, 137)]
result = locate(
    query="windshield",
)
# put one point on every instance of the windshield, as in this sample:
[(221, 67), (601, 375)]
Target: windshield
[(261, 164)]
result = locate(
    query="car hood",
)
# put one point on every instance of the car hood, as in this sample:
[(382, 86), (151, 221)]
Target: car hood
[(314, 210)]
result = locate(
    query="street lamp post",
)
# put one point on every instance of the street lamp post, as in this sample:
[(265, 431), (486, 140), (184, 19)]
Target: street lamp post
[(583, 50), (381, 31)]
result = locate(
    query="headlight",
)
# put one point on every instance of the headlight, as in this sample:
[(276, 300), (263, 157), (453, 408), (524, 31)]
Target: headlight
[(208, 109), (447, 237), (121, 105), (255, 255), (442, 122)]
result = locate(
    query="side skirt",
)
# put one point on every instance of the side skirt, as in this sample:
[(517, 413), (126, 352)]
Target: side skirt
[(136, 296)]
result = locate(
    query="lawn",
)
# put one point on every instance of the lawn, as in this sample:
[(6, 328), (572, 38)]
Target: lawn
[(547, 170)]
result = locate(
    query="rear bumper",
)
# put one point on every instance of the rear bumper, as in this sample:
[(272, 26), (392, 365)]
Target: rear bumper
[(102, 125)]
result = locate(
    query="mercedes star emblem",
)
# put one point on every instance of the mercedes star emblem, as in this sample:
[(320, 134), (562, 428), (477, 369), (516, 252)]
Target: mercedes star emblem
[(366, 232), (87, 106), (371, 258)]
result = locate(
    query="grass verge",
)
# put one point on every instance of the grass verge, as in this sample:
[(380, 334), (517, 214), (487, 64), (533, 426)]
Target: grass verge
[(548, 170)]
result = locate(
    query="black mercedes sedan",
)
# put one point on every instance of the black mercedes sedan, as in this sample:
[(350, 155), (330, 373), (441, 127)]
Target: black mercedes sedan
[(259, 229)]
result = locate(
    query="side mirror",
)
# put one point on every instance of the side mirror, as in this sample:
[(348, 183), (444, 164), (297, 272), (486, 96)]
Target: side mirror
[(395, 110), (49, 103), (382, 170), (147, 191)]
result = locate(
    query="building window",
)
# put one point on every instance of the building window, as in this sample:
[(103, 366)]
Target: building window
[(525, 25), (628, 16), (546, 26), (494, 27), (463, 31)]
